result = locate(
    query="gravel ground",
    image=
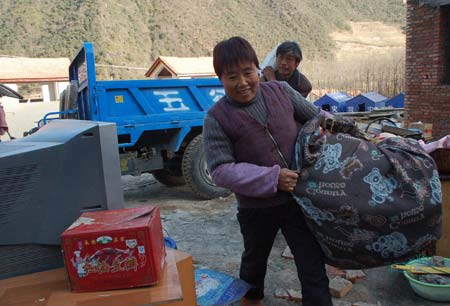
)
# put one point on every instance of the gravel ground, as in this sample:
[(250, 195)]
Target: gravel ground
[(210, 232)]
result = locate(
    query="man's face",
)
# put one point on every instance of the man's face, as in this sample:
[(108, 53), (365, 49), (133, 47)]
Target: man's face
[(286, 64), (241, 82)]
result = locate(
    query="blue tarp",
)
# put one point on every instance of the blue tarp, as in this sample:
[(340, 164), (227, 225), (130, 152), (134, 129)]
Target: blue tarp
[(218, 289), (365, 102), (397, 102), (333, 102)]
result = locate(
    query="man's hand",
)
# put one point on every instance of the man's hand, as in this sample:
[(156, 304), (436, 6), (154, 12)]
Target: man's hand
[(287, 180), (269, 73)]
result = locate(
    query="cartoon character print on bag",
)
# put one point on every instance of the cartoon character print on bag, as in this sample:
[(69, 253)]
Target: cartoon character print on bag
[(421, 190), (362, 235), (349, 166), (427, 163), (377, 221), (416, 164), (329, 158), (436, 191), (380, 186), (368, 204), (410, 188), (415, 189), (347, 215), (314, 213), (395, 244), (375, 155), (358, 235), (401, 171), (411, 146), (411, 164)]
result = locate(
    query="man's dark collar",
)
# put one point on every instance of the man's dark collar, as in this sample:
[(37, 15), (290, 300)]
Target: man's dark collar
[(279, 77)]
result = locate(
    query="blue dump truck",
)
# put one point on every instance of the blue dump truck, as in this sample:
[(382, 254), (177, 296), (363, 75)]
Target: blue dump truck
[(159, 122)]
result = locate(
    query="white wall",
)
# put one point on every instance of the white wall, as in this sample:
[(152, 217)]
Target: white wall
[(22, 117)]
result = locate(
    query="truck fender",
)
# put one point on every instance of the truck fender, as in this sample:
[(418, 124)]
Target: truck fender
[(177, 141)]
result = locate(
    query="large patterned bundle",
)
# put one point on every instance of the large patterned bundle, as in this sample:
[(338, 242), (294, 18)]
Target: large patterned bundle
[(367, 204)]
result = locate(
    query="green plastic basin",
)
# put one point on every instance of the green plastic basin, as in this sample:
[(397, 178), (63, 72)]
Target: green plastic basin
[(437, 293)]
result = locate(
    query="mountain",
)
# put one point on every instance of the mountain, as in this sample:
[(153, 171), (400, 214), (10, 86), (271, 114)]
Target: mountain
[(134, 33)]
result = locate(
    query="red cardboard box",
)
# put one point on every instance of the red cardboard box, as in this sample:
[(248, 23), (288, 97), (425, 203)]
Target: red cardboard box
[(114, 249)]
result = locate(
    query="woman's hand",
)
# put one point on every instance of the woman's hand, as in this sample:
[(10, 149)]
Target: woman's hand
[(287, 180)]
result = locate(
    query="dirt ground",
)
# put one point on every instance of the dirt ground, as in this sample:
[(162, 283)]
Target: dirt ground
[(210, 232)]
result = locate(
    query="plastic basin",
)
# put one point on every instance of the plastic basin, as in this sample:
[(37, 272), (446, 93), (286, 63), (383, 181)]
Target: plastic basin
[(437, 293)]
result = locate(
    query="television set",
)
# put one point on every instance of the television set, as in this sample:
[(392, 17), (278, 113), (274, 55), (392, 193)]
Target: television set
[(47, 180)]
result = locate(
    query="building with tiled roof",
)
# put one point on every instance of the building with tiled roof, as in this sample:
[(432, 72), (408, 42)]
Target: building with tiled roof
[(33, 70), (181, 67)]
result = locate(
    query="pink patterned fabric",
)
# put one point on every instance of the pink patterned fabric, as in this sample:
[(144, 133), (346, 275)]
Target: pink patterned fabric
[(443, 143)]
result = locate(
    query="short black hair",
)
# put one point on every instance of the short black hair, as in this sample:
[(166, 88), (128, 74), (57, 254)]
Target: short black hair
[(231, 52), (290, 46)]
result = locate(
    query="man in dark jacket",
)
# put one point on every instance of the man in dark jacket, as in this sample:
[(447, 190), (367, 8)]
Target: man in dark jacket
[(288, 57), (249, 138)]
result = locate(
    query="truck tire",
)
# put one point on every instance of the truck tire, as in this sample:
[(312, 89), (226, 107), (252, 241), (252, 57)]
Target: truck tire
[(196, 174), (168, 179)]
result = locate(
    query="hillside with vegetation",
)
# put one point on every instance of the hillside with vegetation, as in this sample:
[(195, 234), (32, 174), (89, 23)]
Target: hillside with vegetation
[(134, 33)]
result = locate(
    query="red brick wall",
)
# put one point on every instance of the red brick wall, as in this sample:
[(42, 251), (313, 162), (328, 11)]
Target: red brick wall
[(427, 91)]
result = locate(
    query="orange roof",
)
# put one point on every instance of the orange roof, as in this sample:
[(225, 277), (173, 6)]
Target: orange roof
[(182, 67), (28, 70)]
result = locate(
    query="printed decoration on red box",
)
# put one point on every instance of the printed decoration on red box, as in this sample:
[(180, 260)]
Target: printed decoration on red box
[(108, 259)]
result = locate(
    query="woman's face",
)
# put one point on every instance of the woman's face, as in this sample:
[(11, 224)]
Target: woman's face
[(241, 82)]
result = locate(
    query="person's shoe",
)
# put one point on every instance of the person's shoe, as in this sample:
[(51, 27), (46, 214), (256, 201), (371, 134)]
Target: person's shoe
[(248, 302)]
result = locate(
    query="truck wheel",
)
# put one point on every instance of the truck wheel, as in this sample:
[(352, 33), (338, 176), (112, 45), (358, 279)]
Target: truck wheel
[(166, 178), (196, 174)]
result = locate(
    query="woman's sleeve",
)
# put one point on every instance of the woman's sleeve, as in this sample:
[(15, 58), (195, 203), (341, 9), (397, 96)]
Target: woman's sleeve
[(217, 145), (303, 109), (244, 178), (248, 179)]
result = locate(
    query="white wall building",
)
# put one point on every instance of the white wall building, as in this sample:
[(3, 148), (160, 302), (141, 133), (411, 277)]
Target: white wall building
[(50, 74)]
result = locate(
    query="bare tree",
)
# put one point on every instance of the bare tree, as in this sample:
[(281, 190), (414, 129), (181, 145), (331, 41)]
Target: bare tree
[(381, 73)]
